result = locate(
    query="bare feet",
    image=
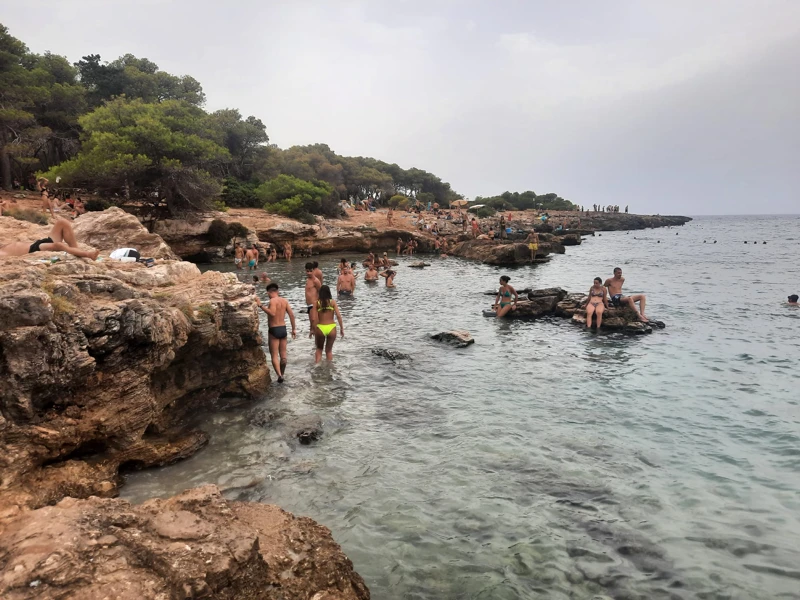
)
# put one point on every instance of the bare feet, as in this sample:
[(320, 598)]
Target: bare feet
[(644, 319)]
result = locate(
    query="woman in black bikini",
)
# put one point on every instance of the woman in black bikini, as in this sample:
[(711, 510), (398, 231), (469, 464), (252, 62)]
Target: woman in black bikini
[(597, 302), (62, 239)]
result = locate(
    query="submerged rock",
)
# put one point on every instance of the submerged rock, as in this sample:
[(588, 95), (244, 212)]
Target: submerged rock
[(307, 428), (419, 264), (392, 355), (195, 545), (457, 338)]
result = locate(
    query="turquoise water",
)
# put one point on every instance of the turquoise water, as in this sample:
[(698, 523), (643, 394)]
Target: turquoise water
[(545, 461)]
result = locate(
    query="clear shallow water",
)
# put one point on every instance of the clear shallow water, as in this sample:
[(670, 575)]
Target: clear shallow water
[(545, 461)]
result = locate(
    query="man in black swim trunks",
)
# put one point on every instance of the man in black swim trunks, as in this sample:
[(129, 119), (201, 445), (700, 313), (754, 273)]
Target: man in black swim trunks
[(614, 285), (61, 239), (346, 284), (277, 310)]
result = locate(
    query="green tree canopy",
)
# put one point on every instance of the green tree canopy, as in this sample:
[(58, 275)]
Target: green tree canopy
[(166, 150), (296, 198)]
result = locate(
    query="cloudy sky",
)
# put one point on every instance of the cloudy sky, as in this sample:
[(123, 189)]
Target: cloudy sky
[(679, 106)]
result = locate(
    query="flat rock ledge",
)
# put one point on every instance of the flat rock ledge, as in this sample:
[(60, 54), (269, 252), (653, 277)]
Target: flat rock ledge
[(194, 545), (557, 302)]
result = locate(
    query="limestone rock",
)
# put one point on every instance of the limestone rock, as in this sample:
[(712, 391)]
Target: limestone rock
[(100, 362), (195, 545), (505, 253), (458, 338), (419, 264), (307, 428), (114, 228)]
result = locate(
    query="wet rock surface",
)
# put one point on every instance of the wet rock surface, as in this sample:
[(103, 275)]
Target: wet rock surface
[(195, 545), (505, 253), (457, 338)]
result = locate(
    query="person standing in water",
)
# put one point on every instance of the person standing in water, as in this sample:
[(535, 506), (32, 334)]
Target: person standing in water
[(371, 274), (238, 256), (317, 271), (276, 310), (312, 295), (389, 274), (597, 303), (346, 284), (399, 247), (503, 303), (326, 327), (252, 258)]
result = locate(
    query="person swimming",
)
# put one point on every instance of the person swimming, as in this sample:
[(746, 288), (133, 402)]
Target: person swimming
[(325, 335), (793, 300), (503, 301), (389, 274)]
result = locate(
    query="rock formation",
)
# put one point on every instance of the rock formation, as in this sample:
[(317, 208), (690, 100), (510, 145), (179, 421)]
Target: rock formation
[(458, 338), (559, 303), (505, 253), (99, 362), (195, 545), (114, 228)]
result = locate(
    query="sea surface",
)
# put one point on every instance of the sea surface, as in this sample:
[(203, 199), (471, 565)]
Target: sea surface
[(545, 461)]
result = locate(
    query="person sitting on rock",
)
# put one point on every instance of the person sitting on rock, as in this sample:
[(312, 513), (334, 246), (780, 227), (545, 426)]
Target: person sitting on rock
[(503, 303), (597, 302), (614, 285), (61, 239)]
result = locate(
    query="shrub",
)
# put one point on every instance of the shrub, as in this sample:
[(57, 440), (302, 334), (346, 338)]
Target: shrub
[(219, 233), (486, 211), (206, 311), (96, 205), (220, 206), (240, 194), (27, 214)]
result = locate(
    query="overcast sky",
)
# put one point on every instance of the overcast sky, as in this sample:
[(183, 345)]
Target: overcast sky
[(675, 107)]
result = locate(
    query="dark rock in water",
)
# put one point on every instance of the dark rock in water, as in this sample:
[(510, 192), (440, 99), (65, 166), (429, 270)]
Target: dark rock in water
[(457, 338), (570, 239), (307, 428), (559, 303), (390, 354), (419, 264)]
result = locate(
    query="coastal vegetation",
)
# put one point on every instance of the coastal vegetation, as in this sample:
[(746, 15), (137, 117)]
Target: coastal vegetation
[(127, 130)]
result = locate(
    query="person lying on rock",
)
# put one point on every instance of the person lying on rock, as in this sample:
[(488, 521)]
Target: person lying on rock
[(614, 285), (277, 310), (61, 239), (597, 302), (503, 303)]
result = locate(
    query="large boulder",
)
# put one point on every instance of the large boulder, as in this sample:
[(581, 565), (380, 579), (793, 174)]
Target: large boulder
[(195, 545), (503, 253), (114, 228), (100, 363)]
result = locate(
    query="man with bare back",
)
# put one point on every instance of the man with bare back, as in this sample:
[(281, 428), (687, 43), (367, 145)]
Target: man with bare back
[(276, 310), (317, 271), (238, 256), (614, 285), (252, 258)]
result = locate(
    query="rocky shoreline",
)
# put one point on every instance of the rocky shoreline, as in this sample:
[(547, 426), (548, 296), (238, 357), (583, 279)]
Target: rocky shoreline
[(101, 362)]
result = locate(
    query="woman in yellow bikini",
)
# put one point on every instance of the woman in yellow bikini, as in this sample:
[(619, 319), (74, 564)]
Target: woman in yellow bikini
[(325, 334)]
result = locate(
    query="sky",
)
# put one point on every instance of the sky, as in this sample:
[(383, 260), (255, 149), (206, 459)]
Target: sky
[(680, 107)]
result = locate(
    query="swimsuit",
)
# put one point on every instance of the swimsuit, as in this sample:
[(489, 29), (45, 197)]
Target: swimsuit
[(278, 332), (35, 245), (237, 261), (345, 293), (325, 328), (506, 294), (596, 295), (252, 262), (616, 299), (533, 246)]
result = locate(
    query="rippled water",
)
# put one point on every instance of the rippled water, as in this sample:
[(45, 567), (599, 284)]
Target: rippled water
[(545, 461)]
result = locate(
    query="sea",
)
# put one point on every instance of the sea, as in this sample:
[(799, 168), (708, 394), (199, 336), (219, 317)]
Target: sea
[(544, 460)]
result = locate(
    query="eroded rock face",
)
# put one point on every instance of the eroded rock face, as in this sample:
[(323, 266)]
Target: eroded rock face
[(502, 253), (114, 228), (100, 361), (195, 545)]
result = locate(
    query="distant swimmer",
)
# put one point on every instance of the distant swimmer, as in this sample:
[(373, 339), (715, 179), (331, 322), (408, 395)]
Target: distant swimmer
[(346, 283), (597, 303), (325, 335), (276, 310), (389, 274), (503, 302), (793, 300), (313, 286), (371, 274), (614, 285)]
